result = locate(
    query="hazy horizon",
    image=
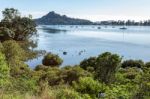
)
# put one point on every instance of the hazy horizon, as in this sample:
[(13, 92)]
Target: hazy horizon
[(94, 10)]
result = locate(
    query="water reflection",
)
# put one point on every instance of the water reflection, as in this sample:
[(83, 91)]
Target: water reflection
[(53, 30)]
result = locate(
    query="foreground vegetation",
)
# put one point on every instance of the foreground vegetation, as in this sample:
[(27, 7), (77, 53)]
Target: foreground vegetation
[(106, 76)]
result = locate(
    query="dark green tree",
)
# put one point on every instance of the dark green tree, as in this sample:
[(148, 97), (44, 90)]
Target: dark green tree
[(9, 14), (15, 27), (107, 65)]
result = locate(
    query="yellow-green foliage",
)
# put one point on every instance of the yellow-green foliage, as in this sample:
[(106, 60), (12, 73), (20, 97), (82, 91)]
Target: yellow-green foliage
[(4, 71), (13, 51), (128, 75), (88, 85), (55, 75), (125, 91)]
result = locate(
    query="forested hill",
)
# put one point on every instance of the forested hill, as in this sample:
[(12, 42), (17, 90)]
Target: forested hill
[(53, 18)]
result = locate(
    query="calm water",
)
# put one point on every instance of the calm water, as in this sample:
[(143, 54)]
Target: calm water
[(81, 42)]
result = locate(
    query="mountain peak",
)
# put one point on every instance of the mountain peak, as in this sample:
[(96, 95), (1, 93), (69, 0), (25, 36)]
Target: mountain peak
[(52, 18), (52, 12)]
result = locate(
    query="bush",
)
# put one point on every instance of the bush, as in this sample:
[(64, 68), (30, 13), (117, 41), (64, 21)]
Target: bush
[(133, 63), (70, 74), (20, 69), (107, 65), (52, 75), (4, 71), (68, 93), (41, 68), (88, 85), (13, 51), (147, 65), (128, 75), (91, 62), (24, 84), (120, 91), (144, 92), (52, 60), (1, 47), (103, 67)]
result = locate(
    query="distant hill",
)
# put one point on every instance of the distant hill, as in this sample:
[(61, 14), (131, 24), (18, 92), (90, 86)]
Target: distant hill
[(53, 18)]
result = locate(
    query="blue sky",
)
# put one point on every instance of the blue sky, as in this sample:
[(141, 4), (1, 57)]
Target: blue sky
[(94, 10)]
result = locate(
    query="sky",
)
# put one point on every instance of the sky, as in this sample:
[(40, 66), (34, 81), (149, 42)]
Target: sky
[(94, 10)]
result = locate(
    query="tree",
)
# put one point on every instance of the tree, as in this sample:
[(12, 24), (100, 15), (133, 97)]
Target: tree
[(10, 13), (107, 65), (15, 27), (23, 27), (52, 60), (6, 33)]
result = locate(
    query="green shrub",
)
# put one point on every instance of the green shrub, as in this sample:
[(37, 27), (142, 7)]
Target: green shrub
[(52, 60), (70, 74), (20, 69), (4, 71), (120, 91), (66, 75), (103, 67), (13, 51), (128, 75), (144, 90), (90, 62), (52, 76), (88, 85), (1, 47), (86, 96), (107, 65), (68, 93), (147, 65), (133, 63), (24, 84), (41, 67)]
